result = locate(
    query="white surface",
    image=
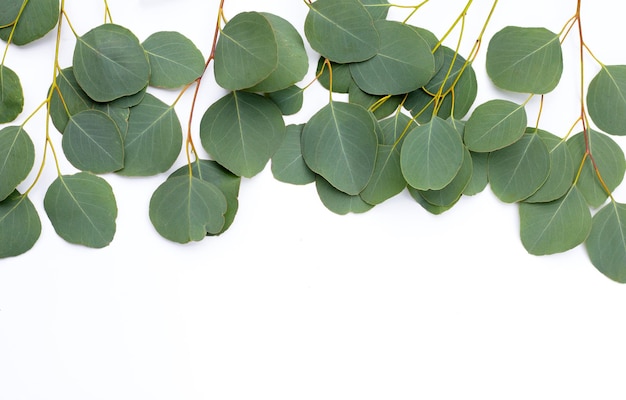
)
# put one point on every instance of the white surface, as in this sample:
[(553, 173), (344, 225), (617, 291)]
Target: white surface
[(294, 302)]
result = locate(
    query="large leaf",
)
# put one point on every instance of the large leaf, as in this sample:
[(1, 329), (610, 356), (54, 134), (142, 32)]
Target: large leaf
[(174, 59), (92, 142), (11, 95), (606, 99), (341, 30), (82, 209), (110, 63), (17, 155), (185, 208), (522, 59), (38, 18), (556, 226), (403, 63), (337, 201), (246, 51), (154, 138), (431, 155), (20, 225), (519, 170), (495, 124), (339, 143), (606, 244), (287, 163), (242, 131), (609, 160)]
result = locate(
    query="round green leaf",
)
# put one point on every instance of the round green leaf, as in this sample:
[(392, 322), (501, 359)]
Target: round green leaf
[(288, 100), (341, 30), (556, 226), (91, 142), (452, 192), (339, 143), (151, 122), (17, 156), (287, 163), (342, 78), (606, 244), (527, 60), (174, 59), (480, 178), (11, 95), (82, 209), (387, 179), (242, 131), (110, 63), (20, 226), (38, 18), (185, 208), (431, 155), (246, 52), (337, 201), (67, 99), (404, 61), (517, 171), (494, 125), (606, 99), (609, 159)]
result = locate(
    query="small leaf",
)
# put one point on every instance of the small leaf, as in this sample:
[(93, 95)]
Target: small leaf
[(387, 179), (339, 143), (288, 100), (92, 142), (82, 209), (174, 59), (494, 125), (67, 99), (11, 95), (185, 208), (431, 208), (17, 156), (606, 244), (380, 106), (556, 226), (480, 179), (20, 226), (341, 30), (342, 78), (337, 201), (527, 60), (287, 163), (606, 99), (110, 63), (242, 131), (452, 192), (38, 18)]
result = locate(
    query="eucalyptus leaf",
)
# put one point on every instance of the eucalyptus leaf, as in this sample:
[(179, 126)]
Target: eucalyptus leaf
[(242, 131), (380, 106), (287, 163), (20, 226), (394, 128), (10, 11), (185, 208), (387, 179), (431, 208), (341, 76), (480, 177), (288, 100), (174, 60), (11, 95), (38, 18), (337, 201), (451, 193), (495, 124), (17, 156), (339, 143), (67, 99), (606, 244), (378, 9), (110, 63), (606, 99), (82, 209)]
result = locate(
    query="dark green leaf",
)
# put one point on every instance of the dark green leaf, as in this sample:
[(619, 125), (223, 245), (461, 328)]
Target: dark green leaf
[(337, 201), (20, 225), (380, 106), (494, 125), (38, 18), (289, 100), (387, 179), (431, 208), (342, 78), (452, 192), (17, 155), (606, 244), (479, 179), (287, 163), (11, 95)]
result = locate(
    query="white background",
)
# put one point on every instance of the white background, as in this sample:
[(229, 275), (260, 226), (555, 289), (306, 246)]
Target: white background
[(294, 302)]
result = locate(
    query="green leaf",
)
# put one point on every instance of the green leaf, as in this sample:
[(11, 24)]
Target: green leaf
[(110, 63), (404, 61), (20, 226), (174, 60), (480, 178), (556, 226), (394, 128), (431, 208), (92, 142), (527, 60), (341, 30), (242, 131), (339, 143), (67, 99), (387, 179), (10, 11), (246, 52), (381, 106), (519, 170), (288, 100), (185, 208), (11, 95), (378, 9), (38, 18), (287, 163), (151, 122), (609, 159), (210, 171), (452, 192), (606, 99), (293, 60), (606, 244), (17, 156), (82, 209), (494, 125), (431, 155), (342, 78), (337, 201)]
